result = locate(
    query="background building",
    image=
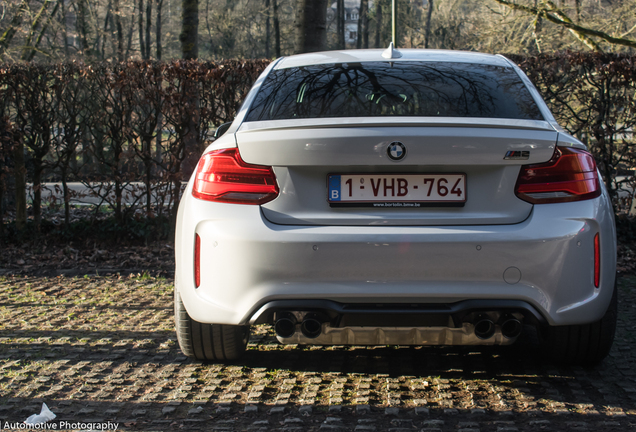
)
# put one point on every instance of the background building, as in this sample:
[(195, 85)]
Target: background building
[(351, 18)]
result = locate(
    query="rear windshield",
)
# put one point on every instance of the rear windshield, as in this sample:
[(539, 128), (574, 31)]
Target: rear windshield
[(378, 89)]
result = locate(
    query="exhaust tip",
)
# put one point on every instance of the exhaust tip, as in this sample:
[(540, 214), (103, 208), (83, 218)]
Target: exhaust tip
[(511, 328), (285, 327), (484, 329), (311, 327)]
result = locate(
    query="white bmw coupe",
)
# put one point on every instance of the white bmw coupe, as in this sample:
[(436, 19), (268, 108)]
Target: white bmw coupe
[(412, 197)]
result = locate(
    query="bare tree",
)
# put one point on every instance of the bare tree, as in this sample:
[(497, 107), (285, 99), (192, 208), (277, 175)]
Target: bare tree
[(130, 32), (340, 23), (378, 23), (311, 25), (158, 30), (190, 50), (7, 36), (140, 25), (119, 29), (363, 25), (32, 46), (20, 184), (64, 28), (158, 138), (429, 15), (552, 13), (189, 29), (148, 24), (82, 26), (276, 29), (267, 28)]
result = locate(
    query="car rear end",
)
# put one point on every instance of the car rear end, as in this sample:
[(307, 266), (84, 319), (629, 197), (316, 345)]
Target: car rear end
[(429, 199)]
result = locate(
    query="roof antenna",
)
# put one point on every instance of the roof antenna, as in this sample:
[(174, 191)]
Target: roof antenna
[(393, 19), (392, 52)]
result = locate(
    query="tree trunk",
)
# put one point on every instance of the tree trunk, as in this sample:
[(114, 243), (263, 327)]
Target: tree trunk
[(107, 20), (276, 29), (311, 25), (148, 24), (340, 23), (64, 28), (117, 181), (2, 203), (190, 50), (429, 14), (158, 29), (378, 24), (267, 29), (140, 24), (82, 27), (158, 139), (131, 30), (363, 26), (20, 185), (120, 32), (113, 38), (175, 207), (37, 193), (67, 199), (190, 29), (148, 172)]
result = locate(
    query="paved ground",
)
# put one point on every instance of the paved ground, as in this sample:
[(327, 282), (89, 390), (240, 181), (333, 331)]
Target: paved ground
[(103, 349)]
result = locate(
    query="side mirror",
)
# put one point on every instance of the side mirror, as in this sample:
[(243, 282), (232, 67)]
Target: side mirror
[(222, 129)]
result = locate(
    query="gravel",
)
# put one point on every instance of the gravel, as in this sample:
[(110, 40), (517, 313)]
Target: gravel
[(102, 348)]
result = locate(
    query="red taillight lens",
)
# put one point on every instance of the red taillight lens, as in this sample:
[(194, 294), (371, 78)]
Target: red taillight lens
[(597, 261), (222, 176), (569, 176), (197, 260)]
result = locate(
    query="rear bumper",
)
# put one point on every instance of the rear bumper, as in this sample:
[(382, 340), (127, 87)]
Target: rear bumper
[(247, 262)]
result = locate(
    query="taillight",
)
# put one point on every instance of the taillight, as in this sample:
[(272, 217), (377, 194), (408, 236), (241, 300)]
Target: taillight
[(569, 176), (222, 176)]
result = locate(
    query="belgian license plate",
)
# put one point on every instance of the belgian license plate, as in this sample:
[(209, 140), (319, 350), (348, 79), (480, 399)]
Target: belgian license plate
[(397, 190)]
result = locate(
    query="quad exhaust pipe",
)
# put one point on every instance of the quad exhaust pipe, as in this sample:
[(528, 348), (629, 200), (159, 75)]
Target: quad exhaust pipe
[(511, 328), (484, 329), (310, 327), (285, 326)]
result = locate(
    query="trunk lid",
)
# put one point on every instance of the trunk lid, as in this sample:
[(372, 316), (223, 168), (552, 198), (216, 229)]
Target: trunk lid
[(305, 152)]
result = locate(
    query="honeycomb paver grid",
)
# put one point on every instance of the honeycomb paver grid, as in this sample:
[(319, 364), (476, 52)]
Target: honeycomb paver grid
[(103, 348)]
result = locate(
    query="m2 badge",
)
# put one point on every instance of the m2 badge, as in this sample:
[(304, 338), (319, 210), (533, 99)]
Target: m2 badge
[(517, 155)]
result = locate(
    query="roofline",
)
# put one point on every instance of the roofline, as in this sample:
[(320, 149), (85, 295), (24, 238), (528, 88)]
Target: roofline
[(374, 55)]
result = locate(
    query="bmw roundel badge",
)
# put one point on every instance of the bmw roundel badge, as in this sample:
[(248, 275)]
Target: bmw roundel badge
[(396, 151)]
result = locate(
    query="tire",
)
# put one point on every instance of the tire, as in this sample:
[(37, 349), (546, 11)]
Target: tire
[(208, 342), (585, 344)]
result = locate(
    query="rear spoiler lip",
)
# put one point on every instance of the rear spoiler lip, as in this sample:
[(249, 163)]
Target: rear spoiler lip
[(352, 122)]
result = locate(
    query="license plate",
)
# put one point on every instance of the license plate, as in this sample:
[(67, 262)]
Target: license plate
[(397, 190)]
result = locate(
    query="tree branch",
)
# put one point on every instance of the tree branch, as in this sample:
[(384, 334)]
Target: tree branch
[(5, 39), (558, 17), (28, 51)]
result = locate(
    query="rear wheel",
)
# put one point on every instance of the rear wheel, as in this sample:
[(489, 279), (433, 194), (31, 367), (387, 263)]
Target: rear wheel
[(201, 341), (585, 344)]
